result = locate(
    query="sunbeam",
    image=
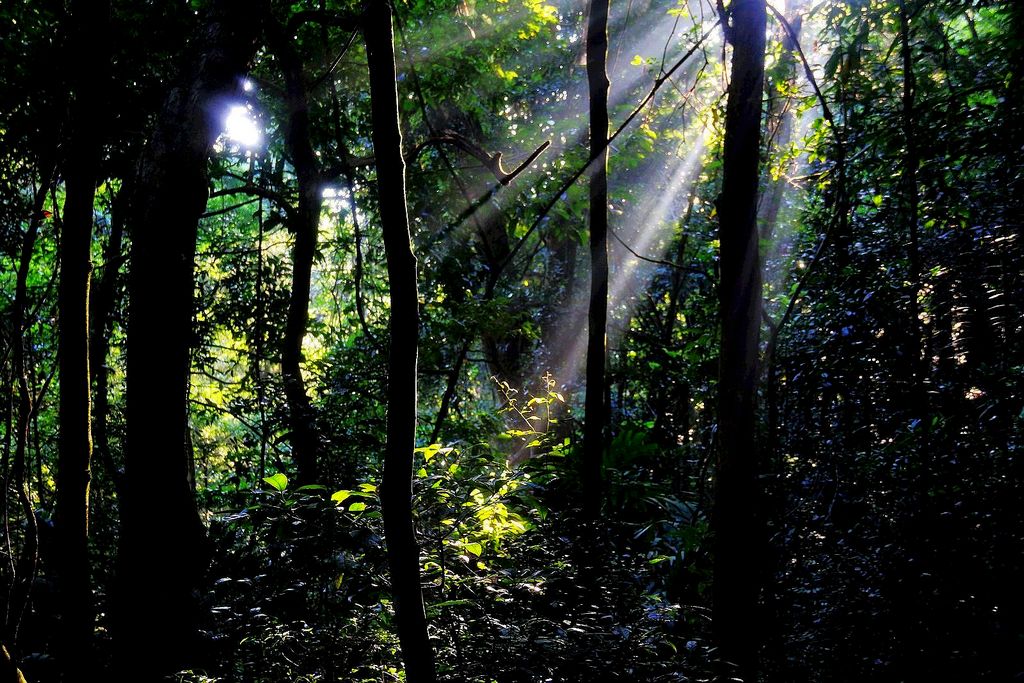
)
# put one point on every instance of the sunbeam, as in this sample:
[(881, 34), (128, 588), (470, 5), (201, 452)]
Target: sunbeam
[(630, 275)]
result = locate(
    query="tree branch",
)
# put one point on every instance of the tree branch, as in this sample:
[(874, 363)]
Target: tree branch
[(491, 161), (648, 259), (660, 81)]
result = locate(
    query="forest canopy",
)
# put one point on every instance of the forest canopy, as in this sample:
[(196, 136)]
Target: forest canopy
[(511, 340)]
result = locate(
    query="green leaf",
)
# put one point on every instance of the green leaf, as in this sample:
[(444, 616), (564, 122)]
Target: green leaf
[(357, 507), (474, 548), (432, 450), (278, 481), (340, 496)]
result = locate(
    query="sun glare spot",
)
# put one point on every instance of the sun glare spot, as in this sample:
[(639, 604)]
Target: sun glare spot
[(336, 200), (240, 127)]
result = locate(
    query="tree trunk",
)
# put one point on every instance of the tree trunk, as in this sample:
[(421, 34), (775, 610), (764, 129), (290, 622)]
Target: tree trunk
[(595, 409), (920, 358), (396, 487), (21, 573), (162, 535), (102, 303), (305, 226), (735, 518), (780, 112), (74, 474)]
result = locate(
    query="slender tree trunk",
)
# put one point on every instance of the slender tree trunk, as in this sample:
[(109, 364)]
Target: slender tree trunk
[(671, 404), (907, 600), (350, 184), (357, 245), (396, 488), (257, 346), (595, 408), (162, 538), (8, 402), (101, 313), (450, 388), (21, 572), (305, 226), (74, 464), (780, 112), (919, 357), (735, 518)]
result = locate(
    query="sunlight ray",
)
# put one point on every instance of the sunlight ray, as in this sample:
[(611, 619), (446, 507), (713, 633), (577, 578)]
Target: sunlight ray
[(629, 275), (656, 223)]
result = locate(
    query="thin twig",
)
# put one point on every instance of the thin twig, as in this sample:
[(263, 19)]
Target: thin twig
[(618, 131), (648, 259), (229, 209), (319, 80)]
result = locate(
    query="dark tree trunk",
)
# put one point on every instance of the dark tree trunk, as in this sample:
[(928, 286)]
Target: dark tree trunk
[(595, 409), (162, 538), (305, 226), (75, 444), (735, 517), (102, 303), (449, 391), (396, 487), (919, 358)]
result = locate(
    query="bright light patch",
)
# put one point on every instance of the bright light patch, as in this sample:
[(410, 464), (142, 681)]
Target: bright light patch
[(336, 200), (247, 85), (240, 127)]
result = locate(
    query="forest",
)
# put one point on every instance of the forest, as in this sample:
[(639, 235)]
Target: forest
[(501, 341)]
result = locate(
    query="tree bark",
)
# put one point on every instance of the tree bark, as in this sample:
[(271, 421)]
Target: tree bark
[(595, 412), (74, 464), (735, 518), (305, 226), (396, 487), (162, 535)]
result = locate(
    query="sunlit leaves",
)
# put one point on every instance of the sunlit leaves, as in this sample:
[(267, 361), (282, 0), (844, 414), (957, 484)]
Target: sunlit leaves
[(365, 492), (429, 452), (278, 482)]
